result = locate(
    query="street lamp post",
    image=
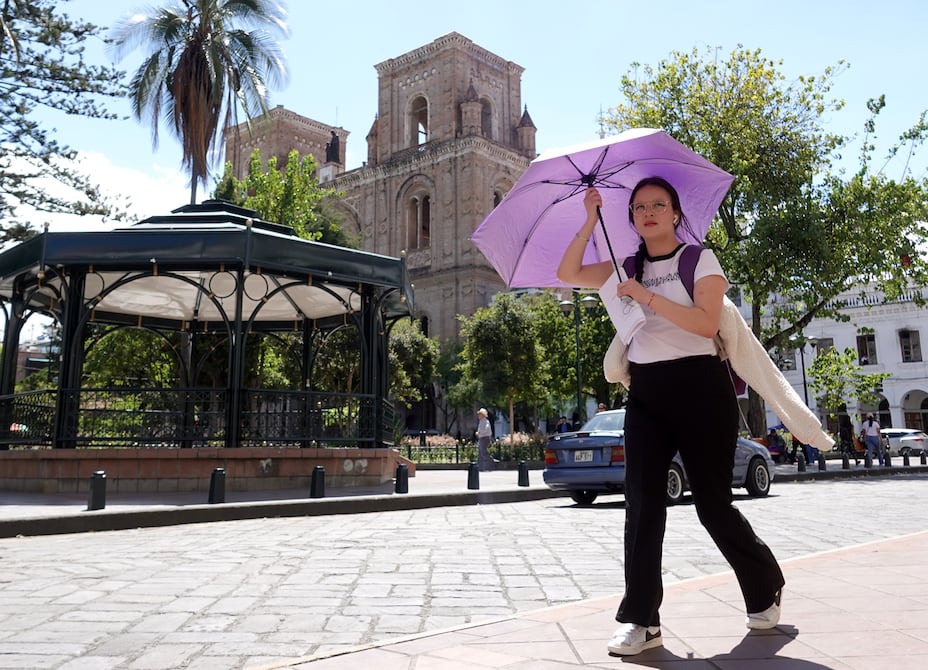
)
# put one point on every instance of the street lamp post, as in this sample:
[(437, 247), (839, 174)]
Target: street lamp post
[(568, 307), (800, 341)]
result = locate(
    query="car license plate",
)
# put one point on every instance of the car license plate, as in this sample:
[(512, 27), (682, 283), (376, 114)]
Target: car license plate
[(583, 456)]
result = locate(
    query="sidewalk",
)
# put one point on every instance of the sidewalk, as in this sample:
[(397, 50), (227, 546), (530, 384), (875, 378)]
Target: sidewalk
[(860, 608), (53, 514), (857, 608)]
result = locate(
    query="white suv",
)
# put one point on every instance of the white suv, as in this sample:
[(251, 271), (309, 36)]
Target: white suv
[(904, 441)]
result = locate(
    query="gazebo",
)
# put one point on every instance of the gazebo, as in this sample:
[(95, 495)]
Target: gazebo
[(209, 280)]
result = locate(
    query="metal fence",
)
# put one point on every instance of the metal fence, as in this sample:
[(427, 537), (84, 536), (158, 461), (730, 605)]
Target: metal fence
[(466, 452), (198, 417)]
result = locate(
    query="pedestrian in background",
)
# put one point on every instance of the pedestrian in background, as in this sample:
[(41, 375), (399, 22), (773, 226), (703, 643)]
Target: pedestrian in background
[(871, 432), (484, 432)]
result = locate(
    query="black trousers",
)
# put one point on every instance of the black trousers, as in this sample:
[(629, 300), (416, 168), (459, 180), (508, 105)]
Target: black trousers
[(687, 405)]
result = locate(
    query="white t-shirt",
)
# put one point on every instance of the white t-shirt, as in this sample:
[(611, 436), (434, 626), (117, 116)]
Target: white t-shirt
[(659, 339), (873, 429)]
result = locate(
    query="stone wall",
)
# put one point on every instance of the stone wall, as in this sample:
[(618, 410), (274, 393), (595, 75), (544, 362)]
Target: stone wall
[(189, 470)]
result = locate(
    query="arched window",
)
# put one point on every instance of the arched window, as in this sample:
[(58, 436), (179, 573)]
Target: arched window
[(500, 190), (419, 121), (486, 119), (418, 222)]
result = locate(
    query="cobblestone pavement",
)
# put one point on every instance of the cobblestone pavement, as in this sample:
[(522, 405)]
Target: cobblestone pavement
[(246, 593)]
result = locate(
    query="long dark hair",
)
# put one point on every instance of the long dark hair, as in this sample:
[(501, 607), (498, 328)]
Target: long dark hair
[(660, 182)]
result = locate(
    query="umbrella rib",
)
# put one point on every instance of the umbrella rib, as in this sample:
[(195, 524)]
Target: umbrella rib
[(535, 225)]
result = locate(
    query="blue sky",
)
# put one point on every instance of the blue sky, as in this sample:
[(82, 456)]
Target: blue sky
[(574, 55)]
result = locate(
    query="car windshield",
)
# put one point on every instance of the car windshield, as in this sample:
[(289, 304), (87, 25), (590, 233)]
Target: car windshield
[(606, 421)]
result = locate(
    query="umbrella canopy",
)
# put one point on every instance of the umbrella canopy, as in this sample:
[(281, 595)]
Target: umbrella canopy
[(525, 236)]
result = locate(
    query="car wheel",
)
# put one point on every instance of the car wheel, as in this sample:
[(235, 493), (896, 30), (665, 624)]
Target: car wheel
[(675, 484), (904, 451), (758, 478), (583, 497)]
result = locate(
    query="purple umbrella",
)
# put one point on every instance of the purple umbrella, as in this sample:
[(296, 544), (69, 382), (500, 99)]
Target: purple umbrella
[(526, 235)]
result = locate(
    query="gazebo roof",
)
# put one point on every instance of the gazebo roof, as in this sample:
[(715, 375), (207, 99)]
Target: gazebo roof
[(190, 260)]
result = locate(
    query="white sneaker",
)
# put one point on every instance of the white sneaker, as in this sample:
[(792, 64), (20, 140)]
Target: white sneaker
[(630, 639), (769, 618)]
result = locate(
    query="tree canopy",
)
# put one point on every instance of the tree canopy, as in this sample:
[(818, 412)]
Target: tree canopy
[(836, 377), (538, 370), (42, 67), (501, 352), (290, 196), (206, 60), (794, 232)]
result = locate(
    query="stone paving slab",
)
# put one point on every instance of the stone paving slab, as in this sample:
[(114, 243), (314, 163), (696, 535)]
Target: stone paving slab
[(250, 592), (836, 616)]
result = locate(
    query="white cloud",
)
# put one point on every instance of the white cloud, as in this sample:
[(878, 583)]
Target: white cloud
[(140, 193)]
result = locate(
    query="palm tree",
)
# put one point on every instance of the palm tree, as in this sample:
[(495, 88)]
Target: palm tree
[(207, 59)]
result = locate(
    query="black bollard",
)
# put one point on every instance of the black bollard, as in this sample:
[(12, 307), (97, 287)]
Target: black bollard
[(800, 462), (845, 461), (887, 459), (421, 438), (97, 498), (317, 484), (924, 458), (821, 462), (905, 459), (473, 477), (402, 478), (523, 473), (217, 486), (868, 459)]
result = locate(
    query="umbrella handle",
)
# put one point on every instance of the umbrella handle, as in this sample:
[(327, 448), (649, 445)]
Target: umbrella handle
[(602, 223)]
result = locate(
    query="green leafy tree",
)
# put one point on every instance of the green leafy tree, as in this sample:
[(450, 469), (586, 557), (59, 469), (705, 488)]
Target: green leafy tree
[(836, 377), (792, 233), (413, 362), (557, 336), (451, 395), (501, 352), (42, 67), (131, 357), (290, 196), (206, 60)]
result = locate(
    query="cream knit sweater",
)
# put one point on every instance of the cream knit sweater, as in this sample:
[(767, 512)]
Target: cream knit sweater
[(752, 363)]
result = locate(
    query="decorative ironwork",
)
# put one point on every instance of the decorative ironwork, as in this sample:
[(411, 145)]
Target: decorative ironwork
[(163, 417)]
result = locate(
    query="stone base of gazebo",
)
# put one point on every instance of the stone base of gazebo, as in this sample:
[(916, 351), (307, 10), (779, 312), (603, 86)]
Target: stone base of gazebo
[(190, 470)]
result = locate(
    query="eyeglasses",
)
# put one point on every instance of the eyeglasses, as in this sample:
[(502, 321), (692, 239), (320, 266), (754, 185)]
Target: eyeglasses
[(641, 208)]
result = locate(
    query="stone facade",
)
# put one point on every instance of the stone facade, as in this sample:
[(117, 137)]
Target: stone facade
[(449, 140), (280, 131)]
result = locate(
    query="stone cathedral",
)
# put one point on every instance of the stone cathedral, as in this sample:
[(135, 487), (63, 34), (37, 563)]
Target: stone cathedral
[(449, 139)]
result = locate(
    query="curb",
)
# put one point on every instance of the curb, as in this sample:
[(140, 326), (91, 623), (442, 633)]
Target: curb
[(97, 521), (157, 516)]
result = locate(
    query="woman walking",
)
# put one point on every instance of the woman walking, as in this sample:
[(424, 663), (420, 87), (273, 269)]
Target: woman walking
[(677, 382)]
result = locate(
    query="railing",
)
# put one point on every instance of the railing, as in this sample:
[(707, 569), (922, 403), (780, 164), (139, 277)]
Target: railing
[(28, 419), (309, 419), (132, 417), (466, 452)]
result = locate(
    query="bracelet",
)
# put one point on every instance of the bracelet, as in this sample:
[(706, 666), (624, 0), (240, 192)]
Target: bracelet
[(650, 300), (585, 239)]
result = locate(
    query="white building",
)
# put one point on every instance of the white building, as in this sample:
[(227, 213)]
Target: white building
[(887, 338)]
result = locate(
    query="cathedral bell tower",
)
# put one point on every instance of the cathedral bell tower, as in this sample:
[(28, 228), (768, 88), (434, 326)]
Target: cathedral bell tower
[(449, 140)]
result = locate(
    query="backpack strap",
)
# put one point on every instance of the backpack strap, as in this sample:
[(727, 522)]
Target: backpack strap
[(689, 257), (629, 266)]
